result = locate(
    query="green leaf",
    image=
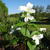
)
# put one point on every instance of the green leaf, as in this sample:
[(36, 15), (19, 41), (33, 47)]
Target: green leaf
[(31, 47), (20, 24), (32, 20), (8, 37), (35, 33), (25, 32), (23, 14), (13, 41), (33, 25)]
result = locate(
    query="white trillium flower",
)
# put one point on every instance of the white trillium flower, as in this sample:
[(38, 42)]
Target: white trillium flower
[(26, 19), (37, 38), (41, 36), (11, 26), (31, 18), (42, 29), (29, 5), (23, 8), (27, 8), (11, 31), (37, 41), (18, 28)]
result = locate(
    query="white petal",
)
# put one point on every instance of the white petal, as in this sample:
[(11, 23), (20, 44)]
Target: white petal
[(29, 5), (37, 41), (37, 38), (26, 19), (34, 37), (31, 11), (42, 29), (28, 14), (27, 8), (23, 8), (11, 31), (31, 18), (40, 36), (18, 28), (11, 26)]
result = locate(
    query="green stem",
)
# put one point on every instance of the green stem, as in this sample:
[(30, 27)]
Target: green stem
[(25, 35)]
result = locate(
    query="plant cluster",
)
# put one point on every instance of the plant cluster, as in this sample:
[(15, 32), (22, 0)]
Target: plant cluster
[(22, 30)]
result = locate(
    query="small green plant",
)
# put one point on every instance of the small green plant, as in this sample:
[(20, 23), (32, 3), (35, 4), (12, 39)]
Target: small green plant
[(22, 31)]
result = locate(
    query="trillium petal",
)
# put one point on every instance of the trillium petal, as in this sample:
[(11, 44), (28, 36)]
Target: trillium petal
[(42, 29), (11, 26), (29, 5), (28, 14), (26, 19), (37, 41), (37, 38), (11, 31), (31, 18), (31, 11), (27, 8), (22, 8), (34, 37), (40, 36), (18, 28)]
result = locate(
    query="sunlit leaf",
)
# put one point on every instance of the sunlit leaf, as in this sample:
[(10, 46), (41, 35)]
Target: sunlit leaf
[(31, 47), (34, 33), (25, 32), (20, 24)]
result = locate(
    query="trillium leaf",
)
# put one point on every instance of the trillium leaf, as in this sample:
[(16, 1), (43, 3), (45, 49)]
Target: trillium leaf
[(34, 33), (25, 32), (33, 25), (8, 37), (31, 47), (28, 33), (14, 41), (20, 24)]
